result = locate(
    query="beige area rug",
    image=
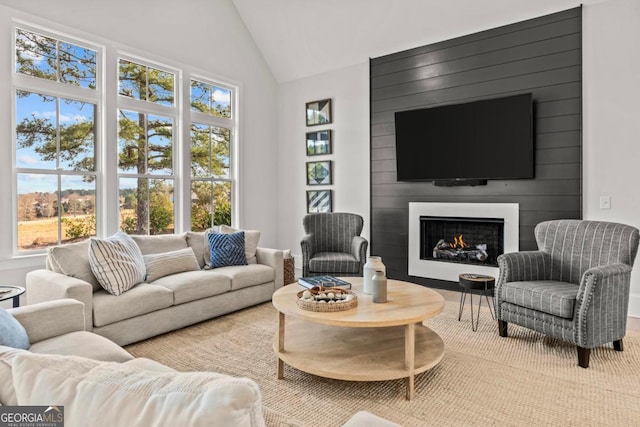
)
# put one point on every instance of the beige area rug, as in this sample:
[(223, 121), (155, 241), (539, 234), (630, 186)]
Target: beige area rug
[(483, 379)]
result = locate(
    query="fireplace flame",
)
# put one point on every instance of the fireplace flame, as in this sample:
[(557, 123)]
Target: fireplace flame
[(458, 242)]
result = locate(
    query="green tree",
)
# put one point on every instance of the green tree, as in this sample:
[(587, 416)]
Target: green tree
[(137, 131), (210, 149), (141, 136)]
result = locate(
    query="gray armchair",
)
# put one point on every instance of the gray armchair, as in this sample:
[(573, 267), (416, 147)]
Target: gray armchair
[(333, 245), (574, 288)]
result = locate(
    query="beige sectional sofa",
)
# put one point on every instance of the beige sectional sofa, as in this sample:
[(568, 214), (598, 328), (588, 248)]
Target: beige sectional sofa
[(85, 372), (167, 303)]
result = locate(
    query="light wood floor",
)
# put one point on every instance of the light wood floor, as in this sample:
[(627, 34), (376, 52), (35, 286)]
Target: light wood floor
[(633, 323)]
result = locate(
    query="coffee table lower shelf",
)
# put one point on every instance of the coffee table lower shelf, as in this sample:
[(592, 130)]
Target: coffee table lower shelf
[(357, 354)]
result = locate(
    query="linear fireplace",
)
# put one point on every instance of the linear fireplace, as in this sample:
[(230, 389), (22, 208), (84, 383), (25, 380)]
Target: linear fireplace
[(464, 240), (447, 239)]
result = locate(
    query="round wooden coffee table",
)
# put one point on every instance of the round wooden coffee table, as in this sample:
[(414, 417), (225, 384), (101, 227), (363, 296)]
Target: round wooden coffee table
[(371, 342)]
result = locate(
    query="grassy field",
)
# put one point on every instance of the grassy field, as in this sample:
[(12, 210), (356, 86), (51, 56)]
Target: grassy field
[(41, 233)]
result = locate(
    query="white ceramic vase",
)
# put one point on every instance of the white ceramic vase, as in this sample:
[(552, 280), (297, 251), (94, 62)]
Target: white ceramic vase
[(373, 263)]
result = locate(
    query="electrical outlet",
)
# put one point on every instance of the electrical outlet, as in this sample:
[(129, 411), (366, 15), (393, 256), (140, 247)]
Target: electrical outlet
[(605, 202)]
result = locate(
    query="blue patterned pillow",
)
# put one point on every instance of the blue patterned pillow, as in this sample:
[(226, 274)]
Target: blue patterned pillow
[(12, 333), (227, 249)]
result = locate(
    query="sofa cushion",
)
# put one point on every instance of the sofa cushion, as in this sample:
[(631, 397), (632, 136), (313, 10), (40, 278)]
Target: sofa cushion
[(7, 390), (168, 263), (198, 242), (227, 249), (547, 296), (248, 275), (140, 397), (195, 285), (72, 260), (160, 243), (141, 299), (82, 343), (251, 241), (116, 262), (12, 333), (335, 262), (148, 364)]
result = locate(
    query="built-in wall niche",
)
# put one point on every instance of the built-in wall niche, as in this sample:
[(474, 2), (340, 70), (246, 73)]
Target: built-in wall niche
[(540, 56)]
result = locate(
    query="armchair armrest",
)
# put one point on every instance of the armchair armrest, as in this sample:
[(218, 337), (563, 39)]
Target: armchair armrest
[(274, 259), (601, 305), (359, 247), (359, 250), (524, 266), (308, 250), (50, 319), (47, 285)]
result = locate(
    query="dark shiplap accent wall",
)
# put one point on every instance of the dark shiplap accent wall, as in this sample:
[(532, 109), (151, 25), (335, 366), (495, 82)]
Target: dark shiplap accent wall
[(542, 56)]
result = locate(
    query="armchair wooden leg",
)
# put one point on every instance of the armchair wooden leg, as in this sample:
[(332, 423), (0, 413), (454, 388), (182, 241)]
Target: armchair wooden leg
[(583, 356), (617, 345), (502, 328)]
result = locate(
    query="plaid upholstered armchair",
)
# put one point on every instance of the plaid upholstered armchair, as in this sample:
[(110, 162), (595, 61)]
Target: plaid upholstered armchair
[(574, 288), (333, 245)]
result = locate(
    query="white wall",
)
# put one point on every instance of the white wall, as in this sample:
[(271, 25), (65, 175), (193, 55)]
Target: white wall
[(349, 90), (206, 35), (611, 108)]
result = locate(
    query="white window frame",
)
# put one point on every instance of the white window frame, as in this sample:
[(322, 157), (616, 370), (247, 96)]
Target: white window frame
[(23, 82), (108, 102), (211, 120), (147, 107)]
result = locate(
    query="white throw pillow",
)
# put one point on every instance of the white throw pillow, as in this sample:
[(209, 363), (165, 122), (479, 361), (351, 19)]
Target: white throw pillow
[(251, 240), (114, 394), (72, 260), (116, 262), (160, 265)]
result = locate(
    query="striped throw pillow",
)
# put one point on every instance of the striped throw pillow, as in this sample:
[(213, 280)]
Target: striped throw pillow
[(227, 249), (116, 262), (164, 264)]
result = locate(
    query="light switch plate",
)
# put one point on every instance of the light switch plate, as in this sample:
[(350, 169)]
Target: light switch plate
[(605, 202)]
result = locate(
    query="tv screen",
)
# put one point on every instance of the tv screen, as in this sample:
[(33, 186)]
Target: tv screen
[(488, 139)]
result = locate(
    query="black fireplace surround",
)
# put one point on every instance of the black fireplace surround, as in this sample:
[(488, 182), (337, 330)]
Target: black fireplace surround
[(477, 241)]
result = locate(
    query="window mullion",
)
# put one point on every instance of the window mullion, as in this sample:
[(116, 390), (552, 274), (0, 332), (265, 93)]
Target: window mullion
[(49, 87), (58, 133)]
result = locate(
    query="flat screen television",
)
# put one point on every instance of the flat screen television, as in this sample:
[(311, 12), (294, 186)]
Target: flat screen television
[(480, 140)]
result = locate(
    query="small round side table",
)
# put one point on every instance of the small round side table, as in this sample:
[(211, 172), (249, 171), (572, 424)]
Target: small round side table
[(13, 292), (480, 282)]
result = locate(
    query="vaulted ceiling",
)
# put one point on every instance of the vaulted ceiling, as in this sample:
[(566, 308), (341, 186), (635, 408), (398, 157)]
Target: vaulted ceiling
[(301, 38)]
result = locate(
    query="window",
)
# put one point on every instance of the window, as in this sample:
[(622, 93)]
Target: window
[(145, 149), (211, 178), (55, 128), (172, 151)]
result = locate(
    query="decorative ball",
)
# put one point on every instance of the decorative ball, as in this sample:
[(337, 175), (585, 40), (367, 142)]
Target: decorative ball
[(306, 295), (331, 295)]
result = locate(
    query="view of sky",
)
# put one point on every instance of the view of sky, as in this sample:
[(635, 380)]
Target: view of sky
[(46, 115)]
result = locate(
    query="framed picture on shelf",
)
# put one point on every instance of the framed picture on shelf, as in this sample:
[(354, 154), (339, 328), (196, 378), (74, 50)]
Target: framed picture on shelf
[(319, 142), (319, 201), (319, 173), (318, 112)]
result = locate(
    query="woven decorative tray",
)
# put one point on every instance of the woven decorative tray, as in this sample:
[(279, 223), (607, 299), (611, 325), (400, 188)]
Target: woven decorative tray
[(326, 299)]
